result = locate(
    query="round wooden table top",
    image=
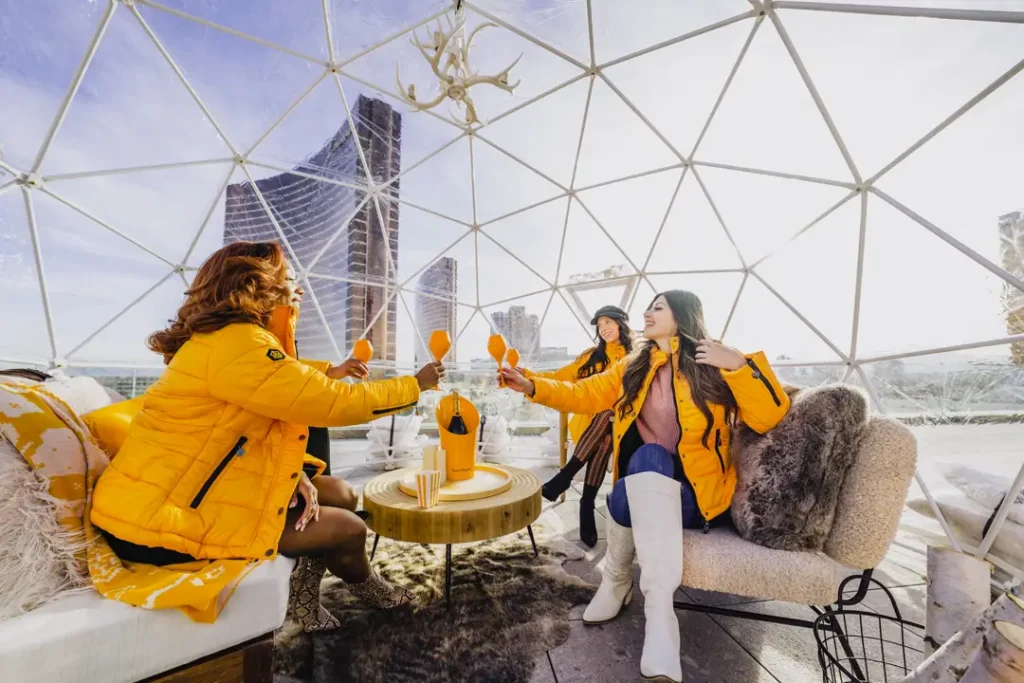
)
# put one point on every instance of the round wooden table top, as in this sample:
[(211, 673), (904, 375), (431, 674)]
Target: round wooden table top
[(398, 516)]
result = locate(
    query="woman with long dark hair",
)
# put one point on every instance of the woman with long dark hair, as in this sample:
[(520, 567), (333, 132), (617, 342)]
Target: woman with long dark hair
[(215, 464), (591, 434), (674, 401)]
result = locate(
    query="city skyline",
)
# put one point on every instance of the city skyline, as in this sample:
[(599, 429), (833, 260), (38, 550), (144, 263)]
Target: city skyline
[(311, 213), (436, 307)]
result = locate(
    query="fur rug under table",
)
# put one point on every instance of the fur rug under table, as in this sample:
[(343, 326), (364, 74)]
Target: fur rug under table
[(507, 608)]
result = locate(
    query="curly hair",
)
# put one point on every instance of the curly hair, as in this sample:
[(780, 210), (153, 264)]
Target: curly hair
[(242, 282)]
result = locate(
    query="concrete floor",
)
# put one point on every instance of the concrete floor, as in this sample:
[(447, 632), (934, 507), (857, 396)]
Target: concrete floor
[(724, 649)]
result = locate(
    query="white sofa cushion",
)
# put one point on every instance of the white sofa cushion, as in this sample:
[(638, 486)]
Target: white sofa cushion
[(85, 638)]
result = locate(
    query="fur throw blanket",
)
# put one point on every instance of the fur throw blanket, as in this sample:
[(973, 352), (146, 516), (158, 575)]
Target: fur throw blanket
[(788, 480)]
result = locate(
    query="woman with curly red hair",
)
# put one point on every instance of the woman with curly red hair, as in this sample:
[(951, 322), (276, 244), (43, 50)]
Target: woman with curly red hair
[(215, 464)]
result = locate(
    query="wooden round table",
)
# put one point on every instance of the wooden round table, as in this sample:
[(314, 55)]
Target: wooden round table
[(398, 516)]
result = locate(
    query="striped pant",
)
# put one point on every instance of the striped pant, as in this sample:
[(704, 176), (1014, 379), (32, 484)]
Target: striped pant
[(595, 448)]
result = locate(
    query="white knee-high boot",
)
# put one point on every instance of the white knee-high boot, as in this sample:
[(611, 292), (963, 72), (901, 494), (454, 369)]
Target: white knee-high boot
[(656, 510), (616, 589)]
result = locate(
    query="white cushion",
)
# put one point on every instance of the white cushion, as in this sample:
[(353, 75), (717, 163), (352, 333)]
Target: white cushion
[(723, 562), (86, 638)]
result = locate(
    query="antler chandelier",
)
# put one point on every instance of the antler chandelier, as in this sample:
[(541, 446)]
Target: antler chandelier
[(455, 77)]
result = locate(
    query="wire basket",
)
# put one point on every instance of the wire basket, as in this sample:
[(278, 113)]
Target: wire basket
[(866, 647)]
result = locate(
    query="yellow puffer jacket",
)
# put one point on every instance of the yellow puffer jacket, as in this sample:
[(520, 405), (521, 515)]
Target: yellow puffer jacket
[(579, 422), (210, 463), (761, 402)]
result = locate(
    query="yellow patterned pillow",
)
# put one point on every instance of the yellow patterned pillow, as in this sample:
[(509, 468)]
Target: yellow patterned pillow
[(109, 425)]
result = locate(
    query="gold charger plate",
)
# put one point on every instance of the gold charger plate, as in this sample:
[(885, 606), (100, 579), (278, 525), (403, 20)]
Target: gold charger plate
[(487, 481)]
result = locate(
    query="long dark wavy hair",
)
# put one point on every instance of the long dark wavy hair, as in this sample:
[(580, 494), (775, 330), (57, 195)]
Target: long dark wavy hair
[(598, 360), (706, 382)]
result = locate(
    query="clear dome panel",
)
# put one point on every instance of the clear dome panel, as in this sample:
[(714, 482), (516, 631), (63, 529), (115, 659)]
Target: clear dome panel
[(41, 47), (546, 134), (562, 25), (19, 286), (693, 237), (952, 386), (750, 130), (762, 212), (503, 275), (116, 272), (633, 211), (503, 184), (922, 69), (817, 272), (621, 28), (574, 192), (677, 86), (919, 293), (122, 339), (131, 109), (764, 322), (616, 142), (534, 235), (225, 86), (589, 253), (969, 175), (297, 26), (162, 210)]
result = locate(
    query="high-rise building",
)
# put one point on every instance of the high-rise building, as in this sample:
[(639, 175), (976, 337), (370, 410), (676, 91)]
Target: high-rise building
[(312, 215), (520, 329), (1011, 242), (436, 308)]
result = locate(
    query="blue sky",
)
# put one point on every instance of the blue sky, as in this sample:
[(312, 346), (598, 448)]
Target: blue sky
[(917, 292)]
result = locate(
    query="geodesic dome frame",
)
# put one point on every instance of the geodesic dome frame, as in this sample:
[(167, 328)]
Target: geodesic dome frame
[(638, 249)]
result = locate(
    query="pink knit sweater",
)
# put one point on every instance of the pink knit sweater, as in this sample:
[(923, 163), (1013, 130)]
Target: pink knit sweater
[(658, 421)]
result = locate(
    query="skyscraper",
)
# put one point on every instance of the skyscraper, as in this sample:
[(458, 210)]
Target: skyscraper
[(435, 306), (520, 329), (1011, 243), (312, 213)]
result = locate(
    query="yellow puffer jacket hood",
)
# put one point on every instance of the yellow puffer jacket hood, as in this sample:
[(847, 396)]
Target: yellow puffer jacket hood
[(579, 422), (761, 401), (210, 463)]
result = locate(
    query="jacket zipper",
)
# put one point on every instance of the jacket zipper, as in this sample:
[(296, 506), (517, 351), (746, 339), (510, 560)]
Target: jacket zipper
[(764, 380), (217, 471), (397, 409), (718, 449), (675, 403)]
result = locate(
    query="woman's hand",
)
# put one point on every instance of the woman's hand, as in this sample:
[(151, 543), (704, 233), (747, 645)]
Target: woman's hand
[(353, 367), (717, 354), (516, 381), (429, 375), (308, 492)]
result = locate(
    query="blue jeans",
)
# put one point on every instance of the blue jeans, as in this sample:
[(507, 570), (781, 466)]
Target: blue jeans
[(653, 458)]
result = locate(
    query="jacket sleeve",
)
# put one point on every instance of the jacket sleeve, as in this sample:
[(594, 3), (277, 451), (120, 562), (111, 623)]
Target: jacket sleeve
[(587, 396), (321, 365), (761, 400), (249, 369), (568, 373)]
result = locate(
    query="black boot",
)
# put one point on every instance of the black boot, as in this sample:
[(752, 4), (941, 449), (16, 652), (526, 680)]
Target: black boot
[(588, 528), (561, 482)]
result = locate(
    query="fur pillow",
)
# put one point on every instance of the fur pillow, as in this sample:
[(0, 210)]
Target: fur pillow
[(37, 554), (789, 479)]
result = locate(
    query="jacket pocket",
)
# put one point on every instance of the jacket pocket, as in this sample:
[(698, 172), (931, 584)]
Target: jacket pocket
[(217, 471), (765, 381), (718, 449), (396, 409)]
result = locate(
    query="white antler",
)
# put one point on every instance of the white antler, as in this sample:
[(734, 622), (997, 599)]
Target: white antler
[(454, 74)]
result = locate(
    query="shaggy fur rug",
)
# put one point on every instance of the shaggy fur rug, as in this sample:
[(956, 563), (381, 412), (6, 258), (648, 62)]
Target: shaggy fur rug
[(507, 608)]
